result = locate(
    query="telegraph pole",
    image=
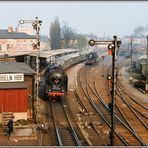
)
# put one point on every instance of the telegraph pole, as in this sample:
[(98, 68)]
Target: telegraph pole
[(146, 87), (103, 65), (113, 92), (36, 26), (113, 47), (131, 52)]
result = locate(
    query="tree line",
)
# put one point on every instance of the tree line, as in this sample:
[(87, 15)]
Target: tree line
[(65, 37)]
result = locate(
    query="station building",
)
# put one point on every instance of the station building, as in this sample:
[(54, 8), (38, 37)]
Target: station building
[(11, 40), (17, 83)]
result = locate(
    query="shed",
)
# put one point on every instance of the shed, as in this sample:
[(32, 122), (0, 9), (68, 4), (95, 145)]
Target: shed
[(141, 65), (16, 90)]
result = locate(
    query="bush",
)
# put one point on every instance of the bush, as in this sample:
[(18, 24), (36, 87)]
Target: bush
[(22, 122)]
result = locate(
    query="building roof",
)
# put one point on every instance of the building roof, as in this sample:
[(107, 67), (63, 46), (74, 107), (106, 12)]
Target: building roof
[(140, 36), (15, 67), (13, 85), (4, 34), (142, 60), (50, 53), (142, 57)]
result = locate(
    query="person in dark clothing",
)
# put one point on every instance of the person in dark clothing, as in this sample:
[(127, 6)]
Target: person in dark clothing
[(10, 126)]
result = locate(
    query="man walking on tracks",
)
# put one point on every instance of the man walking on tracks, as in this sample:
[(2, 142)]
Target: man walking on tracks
[(10, 126)]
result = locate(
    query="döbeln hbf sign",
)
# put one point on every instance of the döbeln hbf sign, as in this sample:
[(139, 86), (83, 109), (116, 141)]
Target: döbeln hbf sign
[(17, 77)]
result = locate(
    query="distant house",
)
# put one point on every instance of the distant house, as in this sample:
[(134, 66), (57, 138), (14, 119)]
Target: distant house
[(71, 43), (11, 40), (136, 39), (44, 43), (44, 40)]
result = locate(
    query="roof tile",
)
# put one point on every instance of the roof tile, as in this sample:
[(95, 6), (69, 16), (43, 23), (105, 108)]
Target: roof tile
[(4, 34)]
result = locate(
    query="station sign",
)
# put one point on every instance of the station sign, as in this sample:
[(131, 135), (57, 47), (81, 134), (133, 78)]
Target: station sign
[(17, 77)]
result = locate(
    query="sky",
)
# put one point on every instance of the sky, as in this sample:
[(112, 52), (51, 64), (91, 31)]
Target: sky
[(100, 18)]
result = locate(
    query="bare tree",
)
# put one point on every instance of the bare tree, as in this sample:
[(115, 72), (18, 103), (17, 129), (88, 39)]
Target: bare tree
[(68, 34), (81, 41), (55, 34)]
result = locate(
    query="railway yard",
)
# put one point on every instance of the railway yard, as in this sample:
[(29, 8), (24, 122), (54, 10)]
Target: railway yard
[(74, 74), (82, 118)]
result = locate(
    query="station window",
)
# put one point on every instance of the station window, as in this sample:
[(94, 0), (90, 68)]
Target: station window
[(18, 46), (24, 47), (8, 46)]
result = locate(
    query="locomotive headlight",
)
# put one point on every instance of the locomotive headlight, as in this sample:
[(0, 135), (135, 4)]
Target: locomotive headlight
[(62, 90), (49, 90)]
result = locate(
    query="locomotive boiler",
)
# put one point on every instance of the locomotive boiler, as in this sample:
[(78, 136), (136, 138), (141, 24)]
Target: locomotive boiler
[(56, 81), (92, 58)]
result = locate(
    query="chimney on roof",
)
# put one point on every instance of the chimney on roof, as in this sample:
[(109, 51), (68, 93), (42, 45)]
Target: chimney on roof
[(10, 29)]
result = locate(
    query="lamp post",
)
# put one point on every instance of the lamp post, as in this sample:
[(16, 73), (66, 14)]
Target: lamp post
[(36, 26)]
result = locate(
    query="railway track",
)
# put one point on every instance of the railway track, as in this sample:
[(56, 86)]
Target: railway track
[(62, 129), (128, 107), (103, 110), (120, 120), (136, 105), (95, 113), (65, 132), (105, 121), (91, 122), (96, 136)]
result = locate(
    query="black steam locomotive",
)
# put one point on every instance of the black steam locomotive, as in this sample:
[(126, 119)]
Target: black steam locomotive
[(56, 81), (91, 58)]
